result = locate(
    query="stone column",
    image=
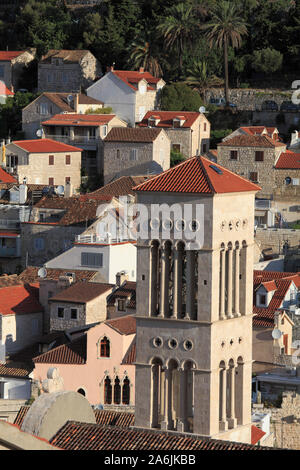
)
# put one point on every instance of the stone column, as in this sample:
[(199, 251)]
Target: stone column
[(164, 285), (229, 284), (222, 286), (237, 283), (177, 287), (232, 418), (190, 284), (153, 280), (223, 420), (155, 394), (181, 425), (165, 422)]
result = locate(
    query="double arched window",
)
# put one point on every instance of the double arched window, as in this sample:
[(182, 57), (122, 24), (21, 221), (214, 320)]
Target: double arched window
[(117, 394)]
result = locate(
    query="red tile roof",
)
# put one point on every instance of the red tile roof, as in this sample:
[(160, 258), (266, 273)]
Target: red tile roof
[(166, 118), (258, 130), (114, 418), (86, 436), (263, 141), (124, 325), (256, 434), (30, 274), (5, 91), (132, 134), (6, 177), (132, 78), (130, 355), (9, 55), (21, 415), (70, 353), (45, 146), (198, 175), (288, 160), (71, 56), (6, 370), (126, 290), (79, 120), (121, 186), (82, 292), (20, 299)]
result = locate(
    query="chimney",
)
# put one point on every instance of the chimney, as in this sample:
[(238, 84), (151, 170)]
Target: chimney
[(121, 277), (68, 190), (76, 102), (141, 70), (64, 282)]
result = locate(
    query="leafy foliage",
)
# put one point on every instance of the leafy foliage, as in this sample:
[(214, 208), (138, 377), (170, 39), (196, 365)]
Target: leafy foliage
[(180, 97), (267, 60)]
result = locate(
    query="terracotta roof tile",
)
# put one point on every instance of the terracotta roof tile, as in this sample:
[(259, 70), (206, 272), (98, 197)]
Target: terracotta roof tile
[(166, 118), (288, 160), (132, 78), (73, 352), (126, 290), (9, 55), (45, 146), (132, 134), (256, 434), (30, 274), (82, 292), (263, 141), (7, 370), (20, 299), (121, 186), (130, 355), (11, 280), (125, 325), (198, 175), (70, 56), (79, 120), (21, 415), (114, 418), (84, 436), (6, 177)]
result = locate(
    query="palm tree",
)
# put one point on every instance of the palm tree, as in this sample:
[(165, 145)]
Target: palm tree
[(177, 28), (141, 54), (200, 78), (225, 28)]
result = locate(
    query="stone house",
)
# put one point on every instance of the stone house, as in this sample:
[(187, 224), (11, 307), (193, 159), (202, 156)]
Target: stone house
[(81, 303), (98, 364), (49, 104), (122, 301), (131, 94), (272, 132), (21, 317), (12, 64), (86, 131), (67, 70), (44, 161), (189, 132), (135, 151)]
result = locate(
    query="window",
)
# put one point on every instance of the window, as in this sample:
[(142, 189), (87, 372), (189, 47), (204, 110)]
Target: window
[(51, 159), (204, 148), (262, 299), (133, 154), (81, 391), (204, 126), (39, 244), (51, 182), (126, 391), (104, 131), (68, 159), (121, 305), (118, 153), (253, 176), (233, 154), (42, 216), (176, 123), (117, 391), (105, 347), (60, 312), (259, 156), (74, 313), (107, 391), (68, 179), (43, 108), (176, 148), (92, 259)]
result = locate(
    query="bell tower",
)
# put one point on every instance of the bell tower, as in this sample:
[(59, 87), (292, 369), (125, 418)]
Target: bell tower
[(194, 302)]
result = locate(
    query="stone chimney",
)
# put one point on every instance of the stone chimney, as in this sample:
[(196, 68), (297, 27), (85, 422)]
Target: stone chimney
[(64, 282), (121, 277), (68, 189), (76, 102), (142, 70)]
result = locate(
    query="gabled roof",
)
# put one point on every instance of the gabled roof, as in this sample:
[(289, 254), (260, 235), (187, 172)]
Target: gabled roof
[(85, 436), (288, 160), (6, 177), (79, 120), (68, 56), (73, 352), (166, 118), (198, 175), (20, 299), (124, 325), (256, 434), (263, 141), (60, 100), (9, 55), (259, 130), (45, 146), (121, 186), (132, 78), (127, 290), (82, 292), (5, 91), (132, 134)]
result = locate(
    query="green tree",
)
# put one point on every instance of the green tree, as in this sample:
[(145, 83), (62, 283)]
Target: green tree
[(267, 60), (225, 29), (200, 78), (180, 97), (176, 158), (142, 54), (177, 29)]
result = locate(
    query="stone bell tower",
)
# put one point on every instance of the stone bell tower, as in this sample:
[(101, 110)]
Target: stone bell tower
[(194, 302)]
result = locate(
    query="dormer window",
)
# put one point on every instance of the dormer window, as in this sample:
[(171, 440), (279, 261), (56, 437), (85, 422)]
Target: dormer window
[(178, 121), (153, 121), (142, 87), (262, 299)]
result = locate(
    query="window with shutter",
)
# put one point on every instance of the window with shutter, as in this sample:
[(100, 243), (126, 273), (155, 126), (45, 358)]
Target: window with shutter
[(133, 154), (68, 159), (259, 156), (51, 181), (51, 159)]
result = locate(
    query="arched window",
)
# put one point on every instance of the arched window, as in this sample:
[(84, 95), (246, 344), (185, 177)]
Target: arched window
[(81, 391), (105, 347), (107, 391), (117, 391), (126, 391)]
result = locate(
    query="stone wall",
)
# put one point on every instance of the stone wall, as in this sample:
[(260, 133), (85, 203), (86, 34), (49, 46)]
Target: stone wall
[(274, 238), (250, 99)]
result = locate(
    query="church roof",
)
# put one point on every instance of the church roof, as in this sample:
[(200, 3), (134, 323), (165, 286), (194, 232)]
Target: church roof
[(198, 175)]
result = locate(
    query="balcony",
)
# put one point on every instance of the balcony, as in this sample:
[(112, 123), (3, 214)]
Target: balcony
[(263, 204), (76, 139), (105, 240)]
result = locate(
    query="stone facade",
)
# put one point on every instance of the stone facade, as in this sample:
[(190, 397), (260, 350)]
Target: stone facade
[(274, 238), (19, 331), (64, 71), (11, 70), (150, 157)]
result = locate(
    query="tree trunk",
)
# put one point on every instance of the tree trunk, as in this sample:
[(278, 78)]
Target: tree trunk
[(226, 72)]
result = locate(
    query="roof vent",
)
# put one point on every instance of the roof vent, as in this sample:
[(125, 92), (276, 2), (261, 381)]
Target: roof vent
[(216, 169)]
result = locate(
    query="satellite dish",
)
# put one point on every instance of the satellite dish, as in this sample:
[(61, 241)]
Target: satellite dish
[(70, 98), (39, 133), (276, 334), (42, 272), (60, 189), (202, 109)]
